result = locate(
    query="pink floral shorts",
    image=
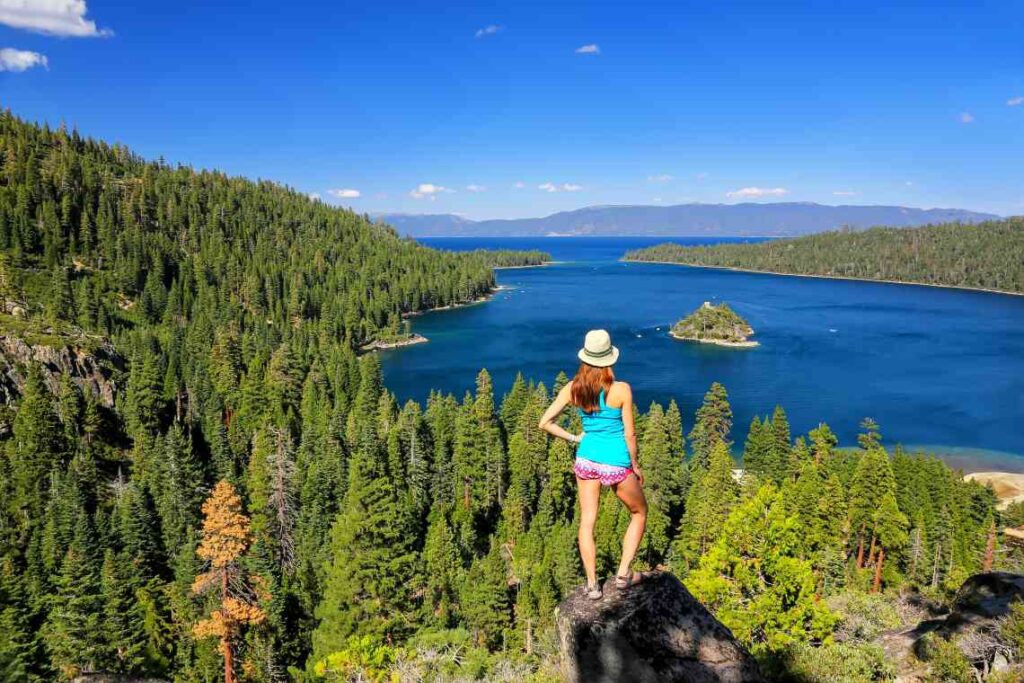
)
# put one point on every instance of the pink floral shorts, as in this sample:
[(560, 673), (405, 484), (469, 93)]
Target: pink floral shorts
[(608, 474)]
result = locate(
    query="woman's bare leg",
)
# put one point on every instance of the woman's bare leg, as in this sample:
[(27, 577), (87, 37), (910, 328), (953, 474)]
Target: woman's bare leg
[(631, 494), (590, 496)]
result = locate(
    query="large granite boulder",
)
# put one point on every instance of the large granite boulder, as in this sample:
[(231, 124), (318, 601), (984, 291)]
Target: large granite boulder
[(655, 631)]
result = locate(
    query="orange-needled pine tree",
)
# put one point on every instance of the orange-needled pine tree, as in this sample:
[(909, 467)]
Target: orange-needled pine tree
[(225, 538)]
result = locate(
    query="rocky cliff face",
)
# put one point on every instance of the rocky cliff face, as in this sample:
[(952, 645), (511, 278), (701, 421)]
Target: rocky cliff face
[(94, 367), (654, 631)]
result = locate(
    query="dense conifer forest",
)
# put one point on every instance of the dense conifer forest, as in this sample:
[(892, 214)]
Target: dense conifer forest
[(255, 501), (988, 255)]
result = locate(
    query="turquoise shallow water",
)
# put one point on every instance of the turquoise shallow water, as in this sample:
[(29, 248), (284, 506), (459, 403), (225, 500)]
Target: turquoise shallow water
[(933, 366)]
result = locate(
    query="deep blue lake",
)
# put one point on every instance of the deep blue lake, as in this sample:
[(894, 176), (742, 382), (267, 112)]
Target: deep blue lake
[(939, 369)]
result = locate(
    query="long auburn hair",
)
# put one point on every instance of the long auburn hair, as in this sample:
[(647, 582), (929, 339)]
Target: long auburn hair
[(587, 385)]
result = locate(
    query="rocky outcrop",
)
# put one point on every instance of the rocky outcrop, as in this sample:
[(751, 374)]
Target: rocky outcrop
[(93, 367), (654, 631), (972, 622)]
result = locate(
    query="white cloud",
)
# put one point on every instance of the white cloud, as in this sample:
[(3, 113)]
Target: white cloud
[(656, 200), (844, 193), (488, 30), (758, 192), (428, 191), (564, 187), (909, 183), (315, 196), (344, 193), (591, 49), (20, 60), (660, 178), (1015, 101), (519, 184), (52, 17), (967, 117), (473, 187), (702, 175)]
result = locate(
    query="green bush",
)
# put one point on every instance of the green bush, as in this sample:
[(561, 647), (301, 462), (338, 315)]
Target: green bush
[(835, 663), (864, 616)]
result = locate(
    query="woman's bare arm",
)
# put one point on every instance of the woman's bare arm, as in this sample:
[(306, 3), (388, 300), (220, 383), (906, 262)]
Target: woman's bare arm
[(547, 422), (629, 427)]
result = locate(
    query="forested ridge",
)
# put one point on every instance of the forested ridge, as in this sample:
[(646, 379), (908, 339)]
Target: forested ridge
[(986, 255), (257, 498)]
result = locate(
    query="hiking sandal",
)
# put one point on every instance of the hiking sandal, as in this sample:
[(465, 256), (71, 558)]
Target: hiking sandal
[(594, 592), (633, 578)]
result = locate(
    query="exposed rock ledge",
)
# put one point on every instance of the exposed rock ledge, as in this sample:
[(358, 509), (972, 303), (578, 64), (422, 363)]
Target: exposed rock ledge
[(654, 631), (92, 369)]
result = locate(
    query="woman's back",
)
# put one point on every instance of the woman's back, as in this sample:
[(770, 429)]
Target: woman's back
[(604, 439)]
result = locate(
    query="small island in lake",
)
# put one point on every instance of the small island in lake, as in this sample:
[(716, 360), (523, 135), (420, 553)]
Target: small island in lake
[(714, 325)]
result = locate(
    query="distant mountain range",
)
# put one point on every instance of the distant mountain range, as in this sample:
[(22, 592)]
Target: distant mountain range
[(749, 219)]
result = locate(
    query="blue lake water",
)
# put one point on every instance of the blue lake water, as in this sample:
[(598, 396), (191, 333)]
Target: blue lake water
[(941, 369)]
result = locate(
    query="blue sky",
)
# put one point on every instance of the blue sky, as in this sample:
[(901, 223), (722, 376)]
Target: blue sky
[(523, 109)]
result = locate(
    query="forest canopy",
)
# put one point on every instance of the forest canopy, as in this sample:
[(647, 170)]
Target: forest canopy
[(987, 255)]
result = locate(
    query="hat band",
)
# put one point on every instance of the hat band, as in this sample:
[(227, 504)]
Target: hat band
[(598, 354)]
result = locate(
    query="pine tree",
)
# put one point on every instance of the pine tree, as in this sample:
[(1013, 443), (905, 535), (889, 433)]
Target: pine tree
[(781, 447), (485, 600), (225, 539), (755, 582), (712, 496), (757, 451), (443, 569), (665, 483), (368, 586), (124, 626), (713, 423), (39, 446), (73, 632)]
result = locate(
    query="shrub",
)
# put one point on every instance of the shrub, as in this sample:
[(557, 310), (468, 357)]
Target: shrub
[(836, 663)]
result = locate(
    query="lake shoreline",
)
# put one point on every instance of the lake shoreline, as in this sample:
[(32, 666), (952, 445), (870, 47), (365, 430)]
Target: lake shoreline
[(832, 277), (716, 342), (532, 265)]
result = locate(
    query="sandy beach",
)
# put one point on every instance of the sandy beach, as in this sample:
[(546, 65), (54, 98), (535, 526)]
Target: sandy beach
[(1009, 486)]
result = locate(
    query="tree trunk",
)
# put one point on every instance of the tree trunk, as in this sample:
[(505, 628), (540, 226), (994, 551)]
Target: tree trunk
[(225, 641), (990, 549), (877, 585), (871, 553), (860, 548), (529, 636)]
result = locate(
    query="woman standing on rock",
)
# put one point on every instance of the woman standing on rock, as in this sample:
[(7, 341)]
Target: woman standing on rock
[(606, 452)]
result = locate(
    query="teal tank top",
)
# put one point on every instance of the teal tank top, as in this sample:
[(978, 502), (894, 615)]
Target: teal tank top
[(604, 437)]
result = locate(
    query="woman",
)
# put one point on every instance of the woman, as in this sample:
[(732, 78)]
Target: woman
[(606, 453)]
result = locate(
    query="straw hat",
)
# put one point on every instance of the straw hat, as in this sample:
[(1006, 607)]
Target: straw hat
[(598, 350)]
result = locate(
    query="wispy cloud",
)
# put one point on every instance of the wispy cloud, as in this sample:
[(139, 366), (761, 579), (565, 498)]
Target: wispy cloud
[(966, 117), (659, 178), (488, 30), (429, 191), (703, 175), (753, 192), (473, 187), (519, 184), (52, 17), (591, 49), (564, 187), (315, 196), (1015, 101), (20, 60), (344, 193), (656, 200), (844, 193)]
